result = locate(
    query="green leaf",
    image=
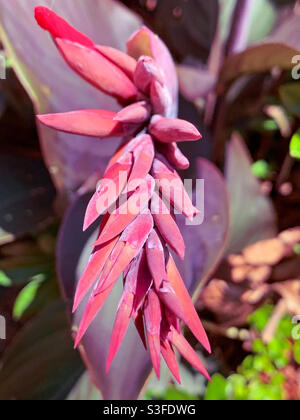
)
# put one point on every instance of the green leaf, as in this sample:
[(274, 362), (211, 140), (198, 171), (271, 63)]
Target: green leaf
[(4, 280), (284, 329), (270, 125), (290, 96), (26, 297), (277, 349), (216, 389), (295, 146), (173, 393), (260, 317), (277, 379), (237, 387), (297, 352), (264, 392), (261, 169), (259, 346)]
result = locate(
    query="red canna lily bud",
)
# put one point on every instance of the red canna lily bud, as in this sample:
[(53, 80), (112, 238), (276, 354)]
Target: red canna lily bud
[(110, 188), (187, 351), (145, 73), (120, 59), (156, 259), (89, 122), (169, 130), (172, 188), (153, 317), (136, 113), (161, 99), (143, 154), (59, 27), (170, 358), (125, 214), (167, 226), (97, 70), (174, 155)]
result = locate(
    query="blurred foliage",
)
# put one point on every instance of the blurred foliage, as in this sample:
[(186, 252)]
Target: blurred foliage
[(261, 376)]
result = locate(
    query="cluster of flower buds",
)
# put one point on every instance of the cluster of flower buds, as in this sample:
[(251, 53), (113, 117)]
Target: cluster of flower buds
[(137, 194)]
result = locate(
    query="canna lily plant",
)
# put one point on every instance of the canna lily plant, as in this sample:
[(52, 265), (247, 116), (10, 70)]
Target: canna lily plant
[(138, 193)]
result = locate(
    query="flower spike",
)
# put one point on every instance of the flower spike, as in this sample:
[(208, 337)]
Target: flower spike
[(138, 193)]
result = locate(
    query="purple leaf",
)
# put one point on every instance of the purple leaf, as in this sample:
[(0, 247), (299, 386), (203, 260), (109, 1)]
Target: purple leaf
[(27, 196), (42, 353), (205, 244), (132, 365), (53, 87), (195, 82), (277, 50), (253, 217)]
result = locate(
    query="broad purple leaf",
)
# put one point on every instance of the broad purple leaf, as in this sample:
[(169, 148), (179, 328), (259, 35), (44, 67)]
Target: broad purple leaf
[(42, 353), (253, 216), (277, 50), (205, 243), (195, 82), (27, 196), (53, 87), (132, 365)]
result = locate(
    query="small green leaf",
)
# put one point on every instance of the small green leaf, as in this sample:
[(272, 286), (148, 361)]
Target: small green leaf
[(4, 280), (260, 317), (259, 346), (26, 296), (261, 169), (270, 125), (297, 249), (237, 387), (174, 394), (216, 389), (295, 146)]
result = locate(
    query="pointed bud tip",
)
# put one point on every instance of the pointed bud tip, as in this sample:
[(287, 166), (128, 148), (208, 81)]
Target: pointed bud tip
[(39, 12), (108, 365), (76, 344)]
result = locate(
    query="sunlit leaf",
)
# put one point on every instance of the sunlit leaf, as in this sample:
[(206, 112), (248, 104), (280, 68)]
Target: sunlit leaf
[(295, 146), (261, 169), (4, 280), (26, 297), (216, 389)]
